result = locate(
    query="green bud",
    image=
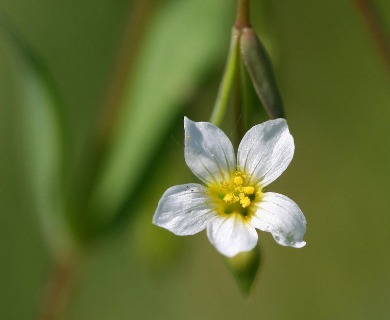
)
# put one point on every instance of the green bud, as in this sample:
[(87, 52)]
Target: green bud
[(244, 267), (259, 68)]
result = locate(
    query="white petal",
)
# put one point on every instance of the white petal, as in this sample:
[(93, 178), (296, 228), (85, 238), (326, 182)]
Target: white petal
[(266, 151), (208, 151), (184, 209), (282, 217), (231, 235)]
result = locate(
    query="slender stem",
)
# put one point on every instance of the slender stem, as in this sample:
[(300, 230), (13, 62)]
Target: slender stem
[(238, 103), (139, 14), (242, 21), (227, 81), (59, 287), (243, 16), (376, 27)]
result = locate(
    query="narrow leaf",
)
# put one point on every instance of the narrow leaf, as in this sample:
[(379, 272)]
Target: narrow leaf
[(41, 131), (174, 57)]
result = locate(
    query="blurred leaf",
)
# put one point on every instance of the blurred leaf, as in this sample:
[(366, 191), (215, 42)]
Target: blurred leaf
[(260, 70), (176, 54), (39, 121)]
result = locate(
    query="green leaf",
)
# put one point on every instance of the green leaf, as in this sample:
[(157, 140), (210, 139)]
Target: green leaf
[(260, 70), (42, 135), (175, 56)]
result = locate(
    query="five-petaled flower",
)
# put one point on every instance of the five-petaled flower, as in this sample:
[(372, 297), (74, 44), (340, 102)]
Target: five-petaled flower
[(233, 203)]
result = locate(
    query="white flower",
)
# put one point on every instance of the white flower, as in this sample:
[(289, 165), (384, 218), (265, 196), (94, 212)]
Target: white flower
[(233, 203)]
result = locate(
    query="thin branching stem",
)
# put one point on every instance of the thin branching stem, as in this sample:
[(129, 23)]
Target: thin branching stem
[(375, 24), (139, 15), (59, 287), (61, 280), (102, 134)]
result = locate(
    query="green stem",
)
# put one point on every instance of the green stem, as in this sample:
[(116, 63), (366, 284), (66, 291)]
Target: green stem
[(227, 80), (242, 21), (243, 16), (88, 171), (375, 24), (59, 288), (139, 16)]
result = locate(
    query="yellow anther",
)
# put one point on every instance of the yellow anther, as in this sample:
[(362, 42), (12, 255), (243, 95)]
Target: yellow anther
[(238, 180), (239, 173), (248, 190), (224, 184), (229, 197), (235, 195), (245, 202)]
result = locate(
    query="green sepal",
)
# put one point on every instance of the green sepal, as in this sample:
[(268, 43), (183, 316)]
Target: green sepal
[(259, 68), (244, 267)]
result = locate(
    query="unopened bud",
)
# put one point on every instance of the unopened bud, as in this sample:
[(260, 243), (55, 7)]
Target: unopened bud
[(259, 68), (244, 267)]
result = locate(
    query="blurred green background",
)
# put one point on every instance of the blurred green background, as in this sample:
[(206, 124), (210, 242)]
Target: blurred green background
[(336, 93)]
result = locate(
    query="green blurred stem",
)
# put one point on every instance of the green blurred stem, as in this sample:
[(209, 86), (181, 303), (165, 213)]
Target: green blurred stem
[(227, 80), (140, 13), (375, 24), (59, 288), (243, 16)]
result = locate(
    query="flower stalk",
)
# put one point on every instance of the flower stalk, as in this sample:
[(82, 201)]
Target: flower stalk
[(59, 288), (374, 21), (243, 15), (227, 80), (246, 53)]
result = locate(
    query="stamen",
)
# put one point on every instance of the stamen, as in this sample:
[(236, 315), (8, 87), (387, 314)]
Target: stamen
[(245, 201), (238, 180), (229, 197), (236, 196), (248, 190), (224, 184)]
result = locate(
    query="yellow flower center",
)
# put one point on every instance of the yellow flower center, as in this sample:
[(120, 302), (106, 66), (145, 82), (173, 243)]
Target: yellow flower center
[(234, 196)]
